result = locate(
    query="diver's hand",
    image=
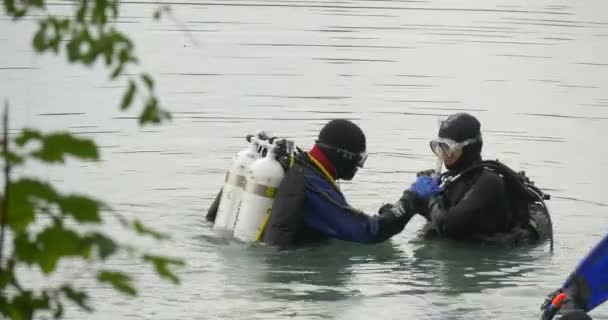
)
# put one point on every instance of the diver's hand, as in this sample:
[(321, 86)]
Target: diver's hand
[(425, 187)]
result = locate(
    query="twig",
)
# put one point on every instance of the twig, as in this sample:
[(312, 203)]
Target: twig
[(7, 172)]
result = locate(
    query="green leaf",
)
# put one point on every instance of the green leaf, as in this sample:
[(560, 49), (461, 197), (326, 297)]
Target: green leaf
[(25, 304), (128, 97), (148, 81), (117, 71), (14, 159), (113, 6), (21, 201), (37, 3), (143, 230), (11, 9), (56, 145), (82, 10), (73, 47), (107, 48), (56, 242), (105, 246), (79, 297), (26, 136), (118, 280), (99, 12), (25, 250), (39, 42), (123, 55), (161, 265), (9, 6), (58, 311), (59, 27), (150, 113), (83, 209), (7, 274)]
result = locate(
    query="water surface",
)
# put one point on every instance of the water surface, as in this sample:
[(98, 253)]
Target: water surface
[(534, 73)]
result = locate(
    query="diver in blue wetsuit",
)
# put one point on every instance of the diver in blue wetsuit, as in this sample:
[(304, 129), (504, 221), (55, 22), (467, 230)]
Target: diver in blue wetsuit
[(585, 289), (309, 206)]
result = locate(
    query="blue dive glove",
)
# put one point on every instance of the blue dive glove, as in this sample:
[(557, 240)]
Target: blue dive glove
[(426, 187)]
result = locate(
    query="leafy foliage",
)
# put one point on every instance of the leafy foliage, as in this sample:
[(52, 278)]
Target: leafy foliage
[(33, 203), (45, 225), (89, 36)]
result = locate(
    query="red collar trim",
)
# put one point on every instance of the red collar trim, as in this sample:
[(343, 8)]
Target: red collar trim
[(320, 156)]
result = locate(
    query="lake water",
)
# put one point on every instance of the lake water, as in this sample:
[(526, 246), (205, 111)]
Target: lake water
[(533, 72)]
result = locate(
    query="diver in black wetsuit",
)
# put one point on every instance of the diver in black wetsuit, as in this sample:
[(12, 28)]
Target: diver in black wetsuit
[(470, 201)]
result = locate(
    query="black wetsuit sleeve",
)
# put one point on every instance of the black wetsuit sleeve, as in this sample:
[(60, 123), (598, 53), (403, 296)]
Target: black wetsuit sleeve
[(458, 220), (212, 212), (392, 220)]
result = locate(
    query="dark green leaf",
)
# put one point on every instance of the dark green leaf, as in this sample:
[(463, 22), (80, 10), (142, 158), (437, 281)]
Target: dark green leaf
[(116, 72), (123, 55), (99, 12), (25, 304), (14, 159), (4, 307), (39, 41), (150, 113), (148, 81), (26, 136), (26, 250), (59, 28), (24, 192), (12, 9), (83, 209), (9, 6), (20, 215), (82, 10), (22, 306), (56, 145), (89, 50), (105, 246), (118, 280), (79, 297), (73, 49), (56, 242), (161, 265), (37, 3), (7, 273), (128, 97), (164, 114), (143, 230), (33, 188), (58, 311), (113, 5), (107, 48)]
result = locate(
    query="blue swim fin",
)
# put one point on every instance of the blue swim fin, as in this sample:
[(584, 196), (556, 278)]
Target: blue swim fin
[(588, 284)]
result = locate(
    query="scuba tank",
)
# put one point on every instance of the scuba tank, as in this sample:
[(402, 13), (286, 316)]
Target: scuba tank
[(233, 186), (263, 179)]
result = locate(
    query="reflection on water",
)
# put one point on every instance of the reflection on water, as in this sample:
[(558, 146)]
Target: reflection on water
[(533, 72)]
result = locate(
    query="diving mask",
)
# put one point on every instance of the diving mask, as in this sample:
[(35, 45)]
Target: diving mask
[(448, 149), (359, 158)]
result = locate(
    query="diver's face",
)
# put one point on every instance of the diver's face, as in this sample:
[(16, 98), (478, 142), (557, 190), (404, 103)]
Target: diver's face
[(452, 159)]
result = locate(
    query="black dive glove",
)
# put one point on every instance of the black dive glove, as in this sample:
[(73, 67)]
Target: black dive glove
[(392, 220)]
